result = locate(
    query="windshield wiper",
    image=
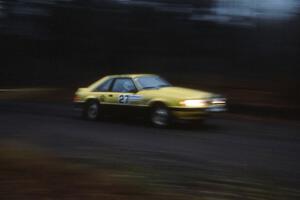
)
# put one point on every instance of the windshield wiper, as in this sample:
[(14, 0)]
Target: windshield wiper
[(156, 87), (150, 87), (161, 86)]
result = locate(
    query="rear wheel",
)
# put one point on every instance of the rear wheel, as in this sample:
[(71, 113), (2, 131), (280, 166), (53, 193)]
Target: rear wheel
[(160, 116), (91, 110)]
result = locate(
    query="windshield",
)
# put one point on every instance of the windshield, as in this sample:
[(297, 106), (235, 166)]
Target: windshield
[(149, 82)]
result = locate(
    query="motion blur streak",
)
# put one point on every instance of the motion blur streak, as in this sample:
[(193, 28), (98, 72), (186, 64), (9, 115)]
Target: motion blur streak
[(247, 50)]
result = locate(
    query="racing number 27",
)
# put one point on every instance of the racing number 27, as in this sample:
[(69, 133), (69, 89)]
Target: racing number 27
[(123, 99)]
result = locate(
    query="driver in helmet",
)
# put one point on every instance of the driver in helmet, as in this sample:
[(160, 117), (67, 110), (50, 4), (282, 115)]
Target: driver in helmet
[(128, 87)]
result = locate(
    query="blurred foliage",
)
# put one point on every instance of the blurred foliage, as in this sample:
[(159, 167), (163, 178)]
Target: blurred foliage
[(28, 174), (73, 42), (31, 173)]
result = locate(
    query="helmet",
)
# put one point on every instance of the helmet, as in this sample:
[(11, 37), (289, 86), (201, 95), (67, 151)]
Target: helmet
[(128, 86)]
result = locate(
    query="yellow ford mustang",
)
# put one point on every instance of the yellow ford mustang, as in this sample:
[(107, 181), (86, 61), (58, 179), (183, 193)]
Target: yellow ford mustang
[(135, 94)]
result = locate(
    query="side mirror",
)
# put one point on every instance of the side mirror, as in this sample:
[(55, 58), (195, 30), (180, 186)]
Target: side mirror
[(133, 91)]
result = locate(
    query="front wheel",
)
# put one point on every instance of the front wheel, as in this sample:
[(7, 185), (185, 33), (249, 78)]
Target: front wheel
[(160, 116), (91, 110)]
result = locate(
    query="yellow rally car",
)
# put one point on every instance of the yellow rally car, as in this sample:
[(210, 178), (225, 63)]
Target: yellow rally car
[(135, 94)]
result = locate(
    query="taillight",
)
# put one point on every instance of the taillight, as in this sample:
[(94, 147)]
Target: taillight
[(76, 98)]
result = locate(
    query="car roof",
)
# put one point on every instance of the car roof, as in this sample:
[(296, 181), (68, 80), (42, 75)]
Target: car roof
[(95, 84), (129, 75)]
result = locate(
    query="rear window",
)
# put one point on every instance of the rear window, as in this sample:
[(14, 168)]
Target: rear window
[(104, 87)]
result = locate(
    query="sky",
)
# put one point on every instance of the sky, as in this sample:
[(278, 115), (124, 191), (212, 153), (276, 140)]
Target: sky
[(240, 12), (249, 12), (261, 9)]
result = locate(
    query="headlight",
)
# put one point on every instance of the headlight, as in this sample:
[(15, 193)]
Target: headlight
[(194, 103), (219, 101)]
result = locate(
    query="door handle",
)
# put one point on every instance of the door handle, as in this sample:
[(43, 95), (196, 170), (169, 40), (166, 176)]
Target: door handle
[(110, 95)]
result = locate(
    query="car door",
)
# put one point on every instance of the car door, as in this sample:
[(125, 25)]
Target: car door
[(124, 96)]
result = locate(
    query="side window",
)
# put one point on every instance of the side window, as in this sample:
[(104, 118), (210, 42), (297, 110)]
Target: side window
[(123, 85), (104, 87)]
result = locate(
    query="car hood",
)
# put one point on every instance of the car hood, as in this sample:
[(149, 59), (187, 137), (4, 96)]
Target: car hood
[(184, 93)]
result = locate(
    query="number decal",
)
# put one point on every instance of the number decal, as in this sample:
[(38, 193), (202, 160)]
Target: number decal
[(123, 99), (126, 99)]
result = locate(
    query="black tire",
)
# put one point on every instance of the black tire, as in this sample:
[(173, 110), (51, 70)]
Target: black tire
[(91, 110), (160, 116)]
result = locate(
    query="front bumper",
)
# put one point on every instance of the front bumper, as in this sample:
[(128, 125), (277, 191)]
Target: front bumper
[(196, 113)]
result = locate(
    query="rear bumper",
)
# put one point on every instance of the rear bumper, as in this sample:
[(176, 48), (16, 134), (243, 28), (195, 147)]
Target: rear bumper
[(78, 106)]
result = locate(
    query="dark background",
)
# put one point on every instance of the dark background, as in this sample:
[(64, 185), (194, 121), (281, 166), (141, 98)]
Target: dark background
[(247, 50), (226, 46)]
